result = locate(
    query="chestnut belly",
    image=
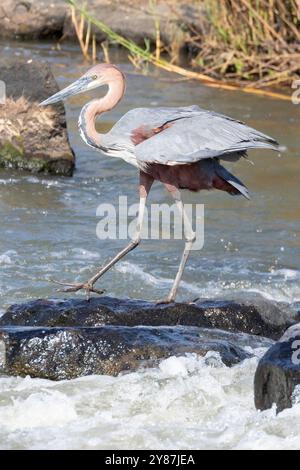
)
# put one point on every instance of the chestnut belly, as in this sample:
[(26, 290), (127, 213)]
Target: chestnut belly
[(192, 176)]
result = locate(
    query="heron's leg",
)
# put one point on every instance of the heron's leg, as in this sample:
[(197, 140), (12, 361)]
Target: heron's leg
[(189, 235), (146, 182)]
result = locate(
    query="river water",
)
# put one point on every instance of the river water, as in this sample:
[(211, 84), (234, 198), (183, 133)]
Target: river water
[(48, 230)]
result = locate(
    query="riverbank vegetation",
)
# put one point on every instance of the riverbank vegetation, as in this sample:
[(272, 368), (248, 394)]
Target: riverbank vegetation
[(248, 44), (251, 40)]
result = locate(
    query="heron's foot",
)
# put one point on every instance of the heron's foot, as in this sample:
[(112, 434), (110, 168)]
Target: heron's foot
[(168, 300), (88, 287)]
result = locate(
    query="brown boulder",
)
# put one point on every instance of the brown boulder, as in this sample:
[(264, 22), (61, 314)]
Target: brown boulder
[(32, 138)]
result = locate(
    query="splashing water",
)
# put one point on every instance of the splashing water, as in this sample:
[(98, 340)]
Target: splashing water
[(182, 404)]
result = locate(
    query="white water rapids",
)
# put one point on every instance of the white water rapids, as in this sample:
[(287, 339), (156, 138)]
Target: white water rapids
[(182, 404)]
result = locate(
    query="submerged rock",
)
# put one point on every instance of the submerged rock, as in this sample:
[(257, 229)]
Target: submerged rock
[(66, 353), (32, 138), (254, 316), (278, 373)]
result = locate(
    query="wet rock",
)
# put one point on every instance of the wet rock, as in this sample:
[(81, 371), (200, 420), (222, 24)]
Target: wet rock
[(254, 316), (32, 138), (66, 353), (63, 339), (278, 373)]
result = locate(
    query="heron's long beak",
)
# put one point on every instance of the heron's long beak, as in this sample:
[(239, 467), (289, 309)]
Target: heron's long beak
[(82, 84)]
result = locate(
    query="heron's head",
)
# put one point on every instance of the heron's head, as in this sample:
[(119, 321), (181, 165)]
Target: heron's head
[(99, 75)]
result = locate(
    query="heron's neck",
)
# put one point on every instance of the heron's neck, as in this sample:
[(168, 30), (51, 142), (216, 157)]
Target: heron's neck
[(94, 108)]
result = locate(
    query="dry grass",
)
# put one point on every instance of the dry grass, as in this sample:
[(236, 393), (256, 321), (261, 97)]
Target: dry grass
[(234, 55), (21, 117), (32, 139), (84, 36), (250, 40), (240, 41)]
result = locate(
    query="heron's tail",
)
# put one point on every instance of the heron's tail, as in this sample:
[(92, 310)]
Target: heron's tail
[(225, 181)]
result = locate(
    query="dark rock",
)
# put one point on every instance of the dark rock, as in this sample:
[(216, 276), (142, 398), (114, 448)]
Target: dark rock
[(253, 316), (136, 21), (35, 20), (62, 339), (66, 353), (251, 313), (278, 372), (32, 19), (31, 137)]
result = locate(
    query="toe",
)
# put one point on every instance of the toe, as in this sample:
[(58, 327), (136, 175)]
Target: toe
[(98, 291), (164, 301)]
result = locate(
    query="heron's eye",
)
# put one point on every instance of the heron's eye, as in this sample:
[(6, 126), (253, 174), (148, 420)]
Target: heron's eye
[(94, 77)]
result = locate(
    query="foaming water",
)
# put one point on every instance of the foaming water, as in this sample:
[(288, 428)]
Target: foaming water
[(279, 290), (182, 404)]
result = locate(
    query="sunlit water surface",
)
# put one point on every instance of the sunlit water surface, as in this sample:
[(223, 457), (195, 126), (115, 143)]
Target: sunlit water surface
[(48, 230)]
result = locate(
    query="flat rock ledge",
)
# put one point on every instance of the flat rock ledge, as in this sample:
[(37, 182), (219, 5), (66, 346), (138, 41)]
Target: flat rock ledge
[(252, 315), (277, 379), (32, 138), (64, 339)]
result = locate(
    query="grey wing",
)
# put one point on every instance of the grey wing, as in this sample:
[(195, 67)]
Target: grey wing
[(152, 117), (202, 134)]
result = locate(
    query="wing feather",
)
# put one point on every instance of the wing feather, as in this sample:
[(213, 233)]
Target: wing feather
[(196, 134)]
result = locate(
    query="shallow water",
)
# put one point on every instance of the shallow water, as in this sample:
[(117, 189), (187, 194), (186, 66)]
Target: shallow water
[(48, 230)]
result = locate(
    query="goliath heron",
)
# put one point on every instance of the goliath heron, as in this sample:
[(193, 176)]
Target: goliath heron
[(181, 147)]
